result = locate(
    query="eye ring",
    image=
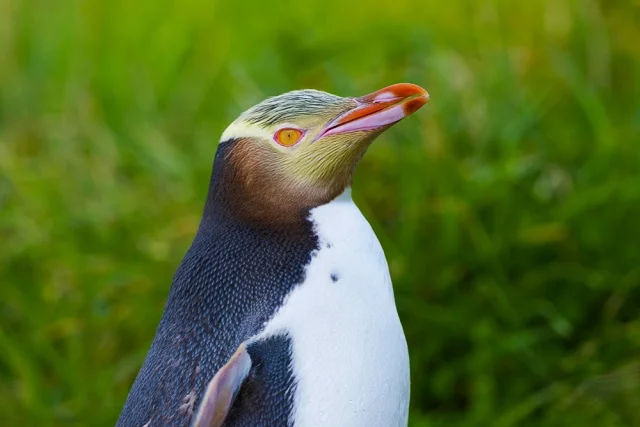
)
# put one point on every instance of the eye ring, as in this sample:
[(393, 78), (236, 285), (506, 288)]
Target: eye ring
[(288, 137)]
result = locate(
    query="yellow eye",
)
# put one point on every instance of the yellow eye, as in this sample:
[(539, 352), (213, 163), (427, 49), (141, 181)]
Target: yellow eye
[(288, 136)]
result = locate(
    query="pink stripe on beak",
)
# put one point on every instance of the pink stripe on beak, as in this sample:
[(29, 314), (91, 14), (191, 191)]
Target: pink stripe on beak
[(378, 109)]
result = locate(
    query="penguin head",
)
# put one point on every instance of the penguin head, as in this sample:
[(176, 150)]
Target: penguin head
[(296, 151)]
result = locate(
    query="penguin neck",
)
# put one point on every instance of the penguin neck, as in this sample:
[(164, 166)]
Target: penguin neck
[(245, 193)]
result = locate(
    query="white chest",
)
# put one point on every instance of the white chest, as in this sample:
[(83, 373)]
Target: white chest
[(349, 351)]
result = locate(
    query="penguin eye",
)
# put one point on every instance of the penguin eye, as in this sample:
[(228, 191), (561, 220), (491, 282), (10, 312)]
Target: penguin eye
[(288, 136)]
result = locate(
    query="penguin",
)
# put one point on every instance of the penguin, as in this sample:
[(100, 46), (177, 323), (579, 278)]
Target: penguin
[(282, 311)]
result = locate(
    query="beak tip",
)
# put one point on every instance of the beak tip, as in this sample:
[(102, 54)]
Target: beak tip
[(415, 104), (395, 92), (418, 96), (405, 90)]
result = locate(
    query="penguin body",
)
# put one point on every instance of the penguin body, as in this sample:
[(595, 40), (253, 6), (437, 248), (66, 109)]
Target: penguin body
[(282, 311)]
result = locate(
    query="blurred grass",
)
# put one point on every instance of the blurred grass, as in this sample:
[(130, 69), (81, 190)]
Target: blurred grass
[(509, 208)]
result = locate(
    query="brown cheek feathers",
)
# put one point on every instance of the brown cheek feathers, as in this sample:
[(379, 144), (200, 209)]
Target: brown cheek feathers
[(258, 189)]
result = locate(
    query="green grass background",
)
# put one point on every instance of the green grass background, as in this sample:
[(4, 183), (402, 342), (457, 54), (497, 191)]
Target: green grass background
[(508, 207)]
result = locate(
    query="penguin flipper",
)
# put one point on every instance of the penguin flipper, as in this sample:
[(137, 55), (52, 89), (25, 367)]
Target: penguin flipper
[(222, 389)]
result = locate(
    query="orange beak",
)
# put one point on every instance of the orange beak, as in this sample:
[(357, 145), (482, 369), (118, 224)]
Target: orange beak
[(379, 109)]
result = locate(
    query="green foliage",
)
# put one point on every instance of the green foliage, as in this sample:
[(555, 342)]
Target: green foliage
[(509, 207)]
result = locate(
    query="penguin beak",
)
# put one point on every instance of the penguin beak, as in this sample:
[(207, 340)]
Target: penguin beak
[(379, 109)]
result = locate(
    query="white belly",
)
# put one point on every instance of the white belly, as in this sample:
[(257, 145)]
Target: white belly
[(349, 351)]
